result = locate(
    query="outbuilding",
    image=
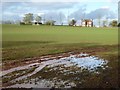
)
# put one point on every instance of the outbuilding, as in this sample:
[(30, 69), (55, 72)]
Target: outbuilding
[(87, 23)]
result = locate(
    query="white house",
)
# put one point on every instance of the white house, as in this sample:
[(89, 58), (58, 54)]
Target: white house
[(87, 23)]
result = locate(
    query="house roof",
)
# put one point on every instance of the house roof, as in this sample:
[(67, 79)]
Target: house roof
[(87, 20)]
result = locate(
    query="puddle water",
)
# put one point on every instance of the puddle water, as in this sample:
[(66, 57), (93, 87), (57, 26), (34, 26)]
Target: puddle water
[(63, 66), (90, 63), (17, 68)]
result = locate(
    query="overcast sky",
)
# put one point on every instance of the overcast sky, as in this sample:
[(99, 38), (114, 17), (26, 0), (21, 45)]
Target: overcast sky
[(67, 9)]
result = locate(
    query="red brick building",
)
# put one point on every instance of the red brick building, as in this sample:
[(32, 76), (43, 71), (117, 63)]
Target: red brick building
[(87, 23)]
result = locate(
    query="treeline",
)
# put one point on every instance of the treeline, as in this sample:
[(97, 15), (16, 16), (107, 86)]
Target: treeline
[(113, 23), (30, 19)]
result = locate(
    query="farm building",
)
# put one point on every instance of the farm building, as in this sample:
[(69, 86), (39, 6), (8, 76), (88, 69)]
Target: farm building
[(87, 23), (34, 22)]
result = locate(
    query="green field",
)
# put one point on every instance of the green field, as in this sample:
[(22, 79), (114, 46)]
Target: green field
[(60, 34), (25, 41), (28, 41)]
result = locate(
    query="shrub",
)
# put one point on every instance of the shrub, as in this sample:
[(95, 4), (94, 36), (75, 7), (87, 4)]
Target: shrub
[(22, 23)]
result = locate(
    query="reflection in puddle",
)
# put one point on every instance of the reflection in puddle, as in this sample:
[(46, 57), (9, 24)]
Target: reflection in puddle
[(63, 72), (90, 63), (18, 68)]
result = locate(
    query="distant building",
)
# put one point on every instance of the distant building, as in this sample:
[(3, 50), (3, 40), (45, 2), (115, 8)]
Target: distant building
[(36, 23), (87, 23)]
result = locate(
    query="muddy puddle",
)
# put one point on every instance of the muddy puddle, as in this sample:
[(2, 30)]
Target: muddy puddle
[(65, 72)]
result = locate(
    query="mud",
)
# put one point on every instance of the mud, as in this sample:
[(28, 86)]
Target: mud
[(57, 71)]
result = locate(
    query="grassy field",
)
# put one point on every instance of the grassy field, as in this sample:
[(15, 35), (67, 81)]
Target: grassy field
[(28, 41), (60, 34), (20, 42)]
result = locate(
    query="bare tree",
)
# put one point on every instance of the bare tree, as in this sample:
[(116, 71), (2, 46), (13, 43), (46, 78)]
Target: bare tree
[(60, 18), (68, 17), (104, 23), (38, 19), (50, 22), (113, 23), (28, 18), (99, 20), (72, 22)]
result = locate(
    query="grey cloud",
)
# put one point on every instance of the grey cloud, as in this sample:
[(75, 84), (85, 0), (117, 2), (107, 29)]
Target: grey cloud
[(79, 14), (20, 8), (39, 5), (12, 18), (57, 16), (101, 12), (54, 5), (7, 5), (52, 9)]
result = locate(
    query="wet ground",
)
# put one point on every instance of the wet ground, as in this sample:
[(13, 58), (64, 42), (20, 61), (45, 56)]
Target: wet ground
[(60, 72)]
